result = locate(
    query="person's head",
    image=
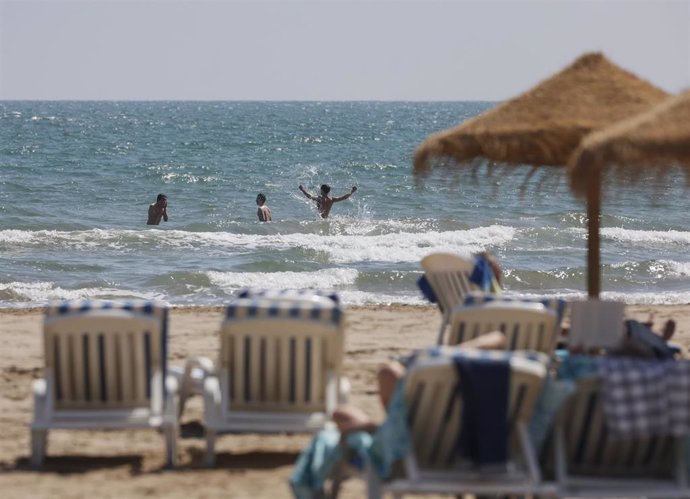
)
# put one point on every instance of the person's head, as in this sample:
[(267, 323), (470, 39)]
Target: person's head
[(260, 199), (162, 200), (325, 189)]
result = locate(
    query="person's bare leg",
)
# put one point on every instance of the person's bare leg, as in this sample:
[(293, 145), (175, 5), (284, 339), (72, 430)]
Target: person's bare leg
[(494, 340), (351, 418), (387, 378)]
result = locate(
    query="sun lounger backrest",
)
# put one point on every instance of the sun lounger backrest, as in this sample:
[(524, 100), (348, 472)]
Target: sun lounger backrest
[(435, 409), (558, 305), (280, 354), (303, 294), (449, 277), (528, 326), (103, 359), (591, 450)]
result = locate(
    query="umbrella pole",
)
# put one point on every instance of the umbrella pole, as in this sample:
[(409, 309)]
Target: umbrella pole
[(593, 256)]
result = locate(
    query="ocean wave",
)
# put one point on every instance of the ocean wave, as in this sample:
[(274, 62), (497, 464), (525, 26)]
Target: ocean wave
[(676, 269), (652, 237), (22, 294), (340, 248), (659, 269), (42, 292), (648, 298), (322, 279), (187, 178)]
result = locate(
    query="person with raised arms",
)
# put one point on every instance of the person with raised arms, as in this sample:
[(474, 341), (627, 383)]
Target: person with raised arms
[(324, 202)]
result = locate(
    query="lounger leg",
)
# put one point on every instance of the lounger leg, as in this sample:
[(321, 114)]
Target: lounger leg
[(210, 448), (39, 440), (374, 489), (439, 338), (171, 446)]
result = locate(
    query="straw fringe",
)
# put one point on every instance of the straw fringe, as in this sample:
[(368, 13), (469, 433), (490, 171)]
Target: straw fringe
[(545, 124), (658, 138)]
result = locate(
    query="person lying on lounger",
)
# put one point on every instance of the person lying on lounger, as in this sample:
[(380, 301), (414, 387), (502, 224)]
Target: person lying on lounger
[(349, 418)]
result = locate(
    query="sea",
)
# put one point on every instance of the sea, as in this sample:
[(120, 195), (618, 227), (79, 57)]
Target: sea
[(76, 180)]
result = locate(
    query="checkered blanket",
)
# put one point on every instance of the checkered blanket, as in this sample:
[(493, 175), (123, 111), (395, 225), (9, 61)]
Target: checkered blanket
[(645, 397)]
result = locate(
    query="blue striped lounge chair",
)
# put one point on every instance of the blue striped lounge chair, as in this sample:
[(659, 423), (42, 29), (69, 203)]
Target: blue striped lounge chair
[(434, 407), (449, 278), (558, 305), (105, 368), (591, 461), (528, 326), (279, 368)]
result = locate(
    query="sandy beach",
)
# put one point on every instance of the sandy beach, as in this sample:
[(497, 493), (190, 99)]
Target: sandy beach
[(130, 464)]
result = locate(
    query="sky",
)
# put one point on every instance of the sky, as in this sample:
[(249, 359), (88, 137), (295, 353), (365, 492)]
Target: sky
[(326, 49)]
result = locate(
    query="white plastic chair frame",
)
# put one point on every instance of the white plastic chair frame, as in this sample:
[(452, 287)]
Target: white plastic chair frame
[(449, 278), (432, 467), (275, 374), (103, 371), (528, 326), (590, 462)]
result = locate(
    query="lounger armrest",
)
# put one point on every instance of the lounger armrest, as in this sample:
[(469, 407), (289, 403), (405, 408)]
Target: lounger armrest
[(191, 380), (212, 399), (332, 393), (40, 390), (170, 406), (203, 363), (172, 386), (345, 388)]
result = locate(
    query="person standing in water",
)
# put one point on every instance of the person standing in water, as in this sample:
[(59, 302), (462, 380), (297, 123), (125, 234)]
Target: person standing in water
[(324, 202), (263, 211), (158, 210)]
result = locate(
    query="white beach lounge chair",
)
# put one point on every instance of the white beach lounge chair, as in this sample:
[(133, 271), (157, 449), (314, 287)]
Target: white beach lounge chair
[(279, 368), (591, 462), (449, 278), (105, 369), (435, 422), (528, 326), (559, 306)]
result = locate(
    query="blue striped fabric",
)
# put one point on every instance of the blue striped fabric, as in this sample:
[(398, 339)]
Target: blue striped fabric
[(308, 307), (156, 309), (287, 293), (558, 305), (498, 355)]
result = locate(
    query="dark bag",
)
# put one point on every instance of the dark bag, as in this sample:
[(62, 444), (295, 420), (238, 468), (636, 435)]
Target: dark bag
[(643, 337)]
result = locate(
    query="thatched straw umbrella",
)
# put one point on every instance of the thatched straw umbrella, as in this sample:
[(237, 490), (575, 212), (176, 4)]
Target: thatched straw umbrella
[(658, 138), (545, 124)]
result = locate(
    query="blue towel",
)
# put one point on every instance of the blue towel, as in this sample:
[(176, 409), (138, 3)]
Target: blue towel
[(482, 275), (556, 391), (382, 449), (484, 388), (425, 288), (316, 464)]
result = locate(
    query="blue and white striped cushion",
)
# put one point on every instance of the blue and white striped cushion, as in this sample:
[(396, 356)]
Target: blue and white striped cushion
[(557, 305), (156, 309), (287, 293), (451, 352), (316, 308)]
